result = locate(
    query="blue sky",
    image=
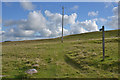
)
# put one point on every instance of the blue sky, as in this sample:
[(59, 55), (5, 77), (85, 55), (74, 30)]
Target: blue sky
[(14, 8), (96, 14)]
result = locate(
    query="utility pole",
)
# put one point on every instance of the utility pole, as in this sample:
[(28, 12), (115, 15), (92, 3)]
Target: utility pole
[(62, 21), (103, 41)]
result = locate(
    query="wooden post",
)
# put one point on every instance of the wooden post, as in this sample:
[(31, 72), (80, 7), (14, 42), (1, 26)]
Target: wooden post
[(103, 42), (62, 22)]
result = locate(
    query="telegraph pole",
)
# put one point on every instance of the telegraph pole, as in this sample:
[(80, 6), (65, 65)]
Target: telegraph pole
[(62, 21), (103, 41)]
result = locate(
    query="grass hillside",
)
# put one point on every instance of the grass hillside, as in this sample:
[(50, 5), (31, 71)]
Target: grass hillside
[(80, 56)]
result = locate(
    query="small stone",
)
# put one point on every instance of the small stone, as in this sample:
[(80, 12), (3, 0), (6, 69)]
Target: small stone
[(3, 76), (36, 65), (31, 71), (94, 54)]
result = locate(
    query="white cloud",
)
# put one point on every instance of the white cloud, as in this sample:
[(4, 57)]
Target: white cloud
[(77, 28), (115, 10), (36, 23), (13, 22), (70, 19), (27, 5), (102, 19), (17, 32), (84, 26), (56, 17), (1, 32), (89, 25), (113, 23), (75, 7), (50, 26), (92, 13)]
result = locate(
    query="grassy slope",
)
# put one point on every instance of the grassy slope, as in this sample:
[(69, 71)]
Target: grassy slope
[(79, 56)]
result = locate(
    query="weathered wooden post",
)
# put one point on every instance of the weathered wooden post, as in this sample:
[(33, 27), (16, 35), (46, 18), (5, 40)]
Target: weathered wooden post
[(62, 22), (103, 41)]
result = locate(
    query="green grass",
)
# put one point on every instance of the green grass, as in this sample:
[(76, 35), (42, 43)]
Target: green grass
[(80, 56)]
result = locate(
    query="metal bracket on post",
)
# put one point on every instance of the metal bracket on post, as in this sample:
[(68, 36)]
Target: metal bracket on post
[(103, 41)]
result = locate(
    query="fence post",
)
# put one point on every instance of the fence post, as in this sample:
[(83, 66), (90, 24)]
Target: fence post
[(103, 41)]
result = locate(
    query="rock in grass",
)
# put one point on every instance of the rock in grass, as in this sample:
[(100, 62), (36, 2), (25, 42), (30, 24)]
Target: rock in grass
[(31, 71), (35, 65), (3, 76), (94, 54)]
